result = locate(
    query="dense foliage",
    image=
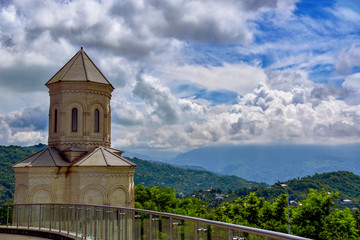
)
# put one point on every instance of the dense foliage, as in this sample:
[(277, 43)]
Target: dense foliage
[(8, 156), (314, 218)]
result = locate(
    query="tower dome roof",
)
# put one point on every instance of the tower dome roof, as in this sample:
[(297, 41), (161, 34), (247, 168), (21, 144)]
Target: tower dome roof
[(80, 68)]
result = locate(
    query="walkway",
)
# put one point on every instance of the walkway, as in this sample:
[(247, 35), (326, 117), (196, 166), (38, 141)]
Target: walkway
[(4, 236)]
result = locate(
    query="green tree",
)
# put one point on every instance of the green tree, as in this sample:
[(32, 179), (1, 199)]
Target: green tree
[(314, 218), (274, 216), (340, 225)]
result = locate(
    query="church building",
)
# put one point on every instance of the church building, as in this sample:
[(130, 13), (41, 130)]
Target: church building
[(78, 166)]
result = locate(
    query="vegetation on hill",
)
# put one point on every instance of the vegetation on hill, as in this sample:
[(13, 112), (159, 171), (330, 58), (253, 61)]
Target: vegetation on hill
[(345, 183), (232, 199), (8, 156), (315, 218), (185, 181), (148, 173)]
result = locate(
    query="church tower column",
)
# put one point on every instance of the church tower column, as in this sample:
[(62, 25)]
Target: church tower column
[(79, 95)]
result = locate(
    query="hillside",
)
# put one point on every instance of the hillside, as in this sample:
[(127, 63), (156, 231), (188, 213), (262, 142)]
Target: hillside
[(189, 181), (147, 173), (8, 156), (345, 183), (185, 181), (272, 163)]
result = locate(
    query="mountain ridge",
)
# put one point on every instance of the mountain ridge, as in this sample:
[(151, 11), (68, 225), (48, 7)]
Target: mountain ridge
[(272, 163)]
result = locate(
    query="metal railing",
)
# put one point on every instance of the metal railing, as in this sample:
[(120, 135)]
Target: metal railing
[(116, 223)]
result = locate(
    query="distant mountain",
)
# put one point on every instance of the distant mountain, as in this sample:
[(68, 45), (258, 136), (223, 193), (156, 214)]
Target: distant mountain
[(188, 180), (272, 163)]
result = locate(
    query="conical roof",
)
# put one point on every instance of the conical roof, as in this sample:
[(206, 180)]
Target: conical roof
[(80, 68)]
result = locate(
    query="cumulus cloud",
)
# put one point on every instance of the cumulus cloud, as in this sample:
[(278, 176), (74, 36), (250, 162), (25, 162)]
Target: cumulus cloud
[(347, 59), (25, 127), (240, 78), (34, 118), (352, 82), (299, 111), (158, 98), (259, 51), (38, 37)]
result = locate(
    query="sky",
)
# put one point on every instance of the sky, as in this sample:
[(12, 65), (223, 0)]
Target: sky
[(190, 73)]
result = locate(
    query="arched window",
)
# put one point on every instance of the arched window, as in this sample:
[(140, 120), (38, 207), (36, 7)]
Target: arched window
[(55, 121), (96, 121), (74, 120)]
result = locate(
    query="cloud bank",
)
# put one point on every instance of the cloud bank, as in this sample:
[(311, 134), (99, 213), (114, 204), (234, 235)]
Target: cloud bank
[(189, 73)]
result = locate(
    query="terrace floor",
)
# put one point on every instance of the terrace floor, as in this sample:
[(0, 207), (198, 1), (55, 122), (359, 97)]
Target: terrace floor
[(5, 236)]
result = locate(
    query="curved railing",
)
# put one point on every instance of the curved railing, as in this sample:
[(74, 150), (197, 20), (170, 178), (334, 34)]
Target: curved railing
[(116, 223)]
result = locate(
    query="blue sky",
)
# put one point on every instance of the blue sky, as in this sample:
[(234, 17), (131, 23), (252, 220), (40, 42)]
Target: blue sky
[(190, 73)]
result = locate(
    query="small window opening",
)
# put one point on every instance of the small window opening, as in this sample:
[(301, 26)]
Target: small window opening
[(55, 121), (96, 121), (74, 123)]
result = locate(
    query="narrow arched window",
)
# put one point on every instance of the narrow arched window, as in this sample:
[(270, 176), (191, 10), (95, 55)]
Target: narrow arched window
[(55, 121), (96, 120), (74, 120)]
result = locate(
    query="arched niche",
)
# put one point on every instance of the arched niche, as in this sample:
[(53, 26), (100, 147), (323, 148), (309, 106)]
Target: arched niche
[(20, 195), (100, 107), (42, 194), (118, 196), (93, 195)]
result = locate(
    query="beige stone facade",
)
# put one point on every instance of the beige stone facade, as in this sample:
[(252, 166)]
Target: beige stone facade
[(78, 166)]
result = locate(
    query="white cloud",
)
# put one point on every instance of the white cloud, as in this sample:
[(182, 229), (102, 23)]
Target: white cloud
[(277, 101), (28, 138), (25, 127), (241, 78), (283, 108), (352, 82), (347, 59)]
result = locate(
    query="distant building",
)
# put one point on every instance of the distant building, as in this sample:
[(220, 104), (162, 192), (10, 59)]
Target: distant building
[(293, 203), (347, 201), (78, 166)]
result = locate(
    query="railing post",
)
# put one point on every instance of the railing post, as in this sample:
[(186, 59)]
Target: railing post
[(171, 228), (196, 233), (95, 220), (86, 213), (118, 223), (151, 225), (76, 219), (133, 225), (7, 216), (68, 219), (230, 234), (40, 217), (29, 215), (106, 223), (60, 218), (17, 218), (51, 212)]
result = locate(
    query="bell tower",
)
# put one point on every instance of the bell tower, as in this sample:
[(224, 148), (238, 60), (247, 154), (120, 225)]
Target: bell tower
[(79, 113), (78, 166)]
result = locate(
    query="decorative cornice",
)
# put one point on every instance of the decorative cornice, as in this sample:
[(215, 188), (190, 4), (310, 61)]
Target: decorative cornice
[(105, 175), (87, 91)]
